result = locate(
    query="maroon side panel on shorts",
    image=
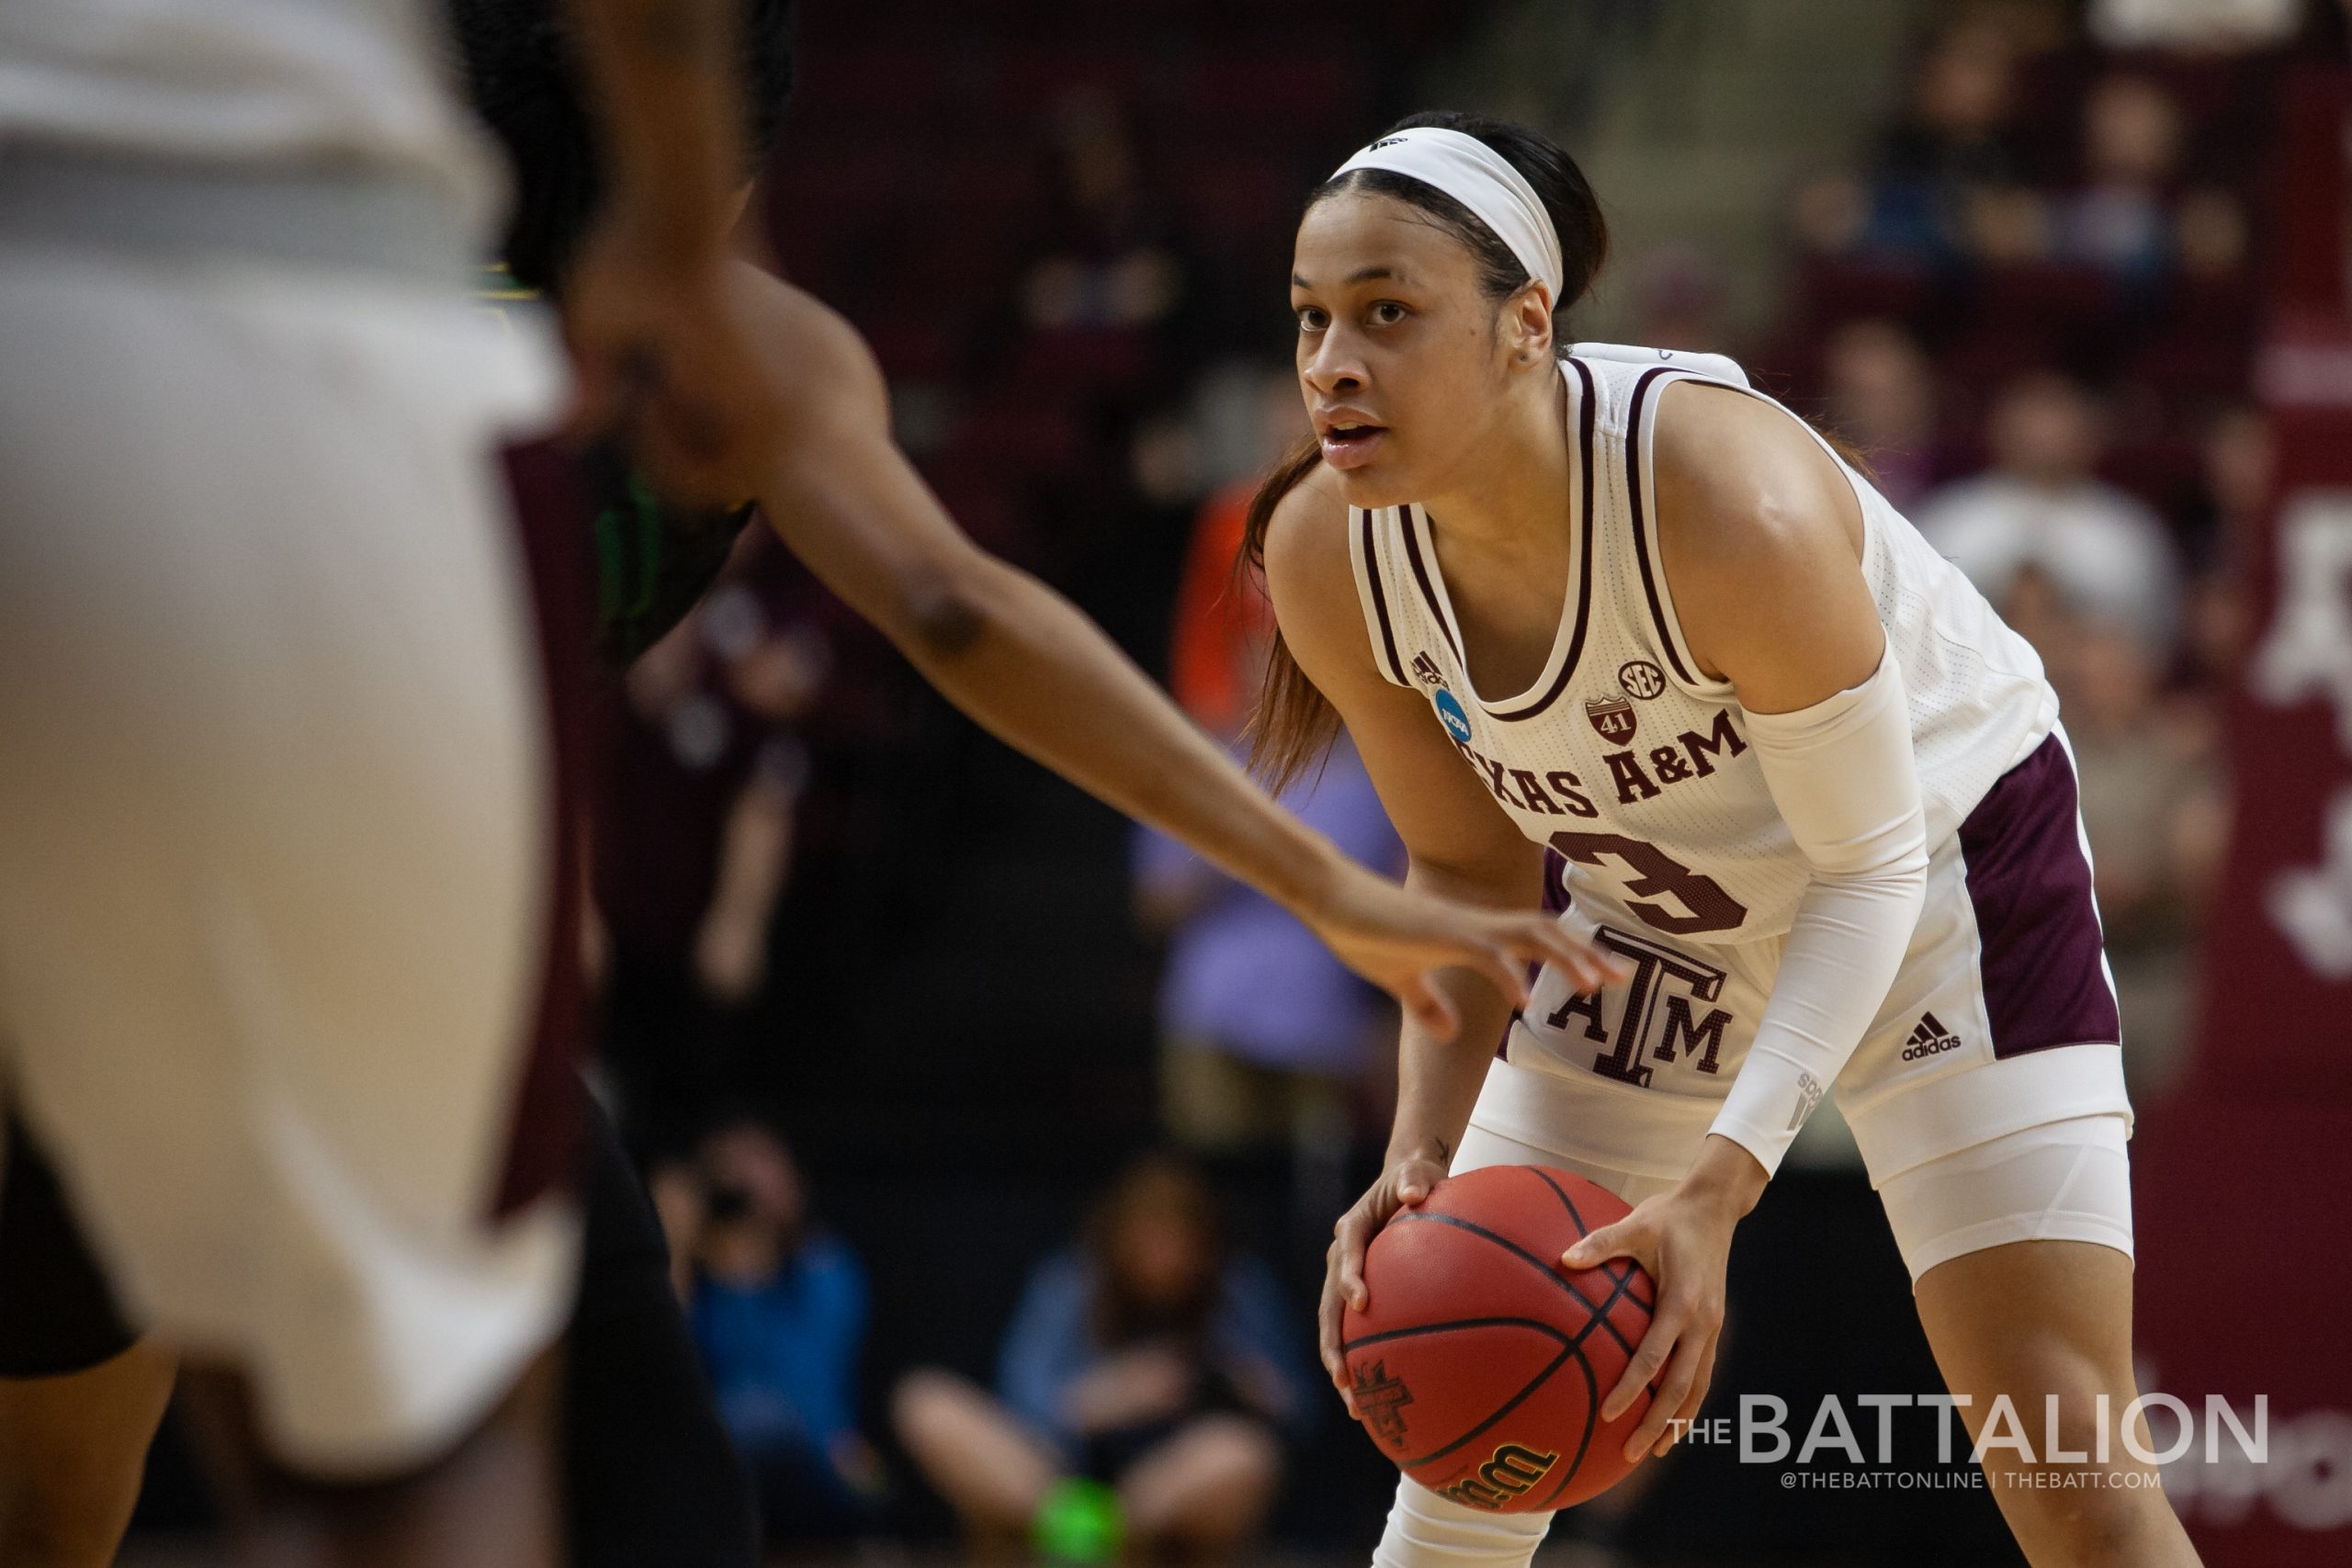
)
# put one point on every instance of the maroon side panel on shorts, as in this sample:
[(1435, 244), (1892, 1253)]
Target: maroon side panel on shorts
[(551, 524), (2044, 984)]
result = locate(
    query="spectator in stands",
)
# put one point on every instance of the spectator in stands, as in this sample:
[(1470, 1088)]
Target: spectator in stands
[(2152, 805), (2237, 467), (1948, 179), (692, 843), (1147, 1369), (779, 1311), (1109, 260), (2041, 505), (2194, 23), (1881, 394), (2121, 216)]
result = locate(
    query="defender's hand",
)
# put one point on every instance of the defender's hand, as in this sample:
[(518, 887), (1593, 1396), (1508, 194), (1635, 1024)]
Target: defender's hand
[(661, 337), (1398, 939)]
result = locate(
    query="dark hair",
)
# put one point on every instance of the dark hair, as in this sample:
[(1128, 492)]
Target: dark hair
[(1294, 724), (1171, 1187), (523, 69)]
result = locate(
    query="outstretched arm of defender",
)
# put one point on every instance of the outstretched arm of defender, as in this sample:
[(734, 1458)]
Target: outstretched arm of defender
[(1022, 660)]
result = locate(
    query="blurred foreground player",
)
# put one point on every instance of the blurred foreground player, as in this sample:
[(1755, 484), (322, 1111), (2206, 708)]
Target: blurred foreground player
[(275, 870), (944, 600)]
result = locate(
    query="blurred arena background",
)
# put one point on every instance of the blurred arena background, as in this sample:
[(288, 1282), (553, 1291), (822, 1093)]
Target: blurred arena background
[(2073, 275)]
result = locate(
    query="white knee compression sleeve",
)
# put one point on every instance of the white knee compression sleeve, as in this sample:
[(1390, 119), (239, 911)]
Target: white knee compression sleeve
[(1426, 1530)]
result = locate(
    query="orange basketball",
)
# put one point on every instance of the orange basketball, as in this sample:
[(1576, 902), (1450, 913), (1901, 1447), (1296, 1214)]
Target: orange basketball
[(1480, 1364)]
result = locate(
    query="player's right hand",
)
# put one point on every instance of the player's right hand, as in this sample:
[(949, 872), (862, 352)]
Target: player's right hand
[(1404, 1184)]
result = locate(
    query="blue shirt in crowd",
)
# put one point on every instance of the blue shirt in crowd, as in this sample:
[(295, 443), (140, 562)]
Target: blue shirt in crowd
[(1050, 1343), (784, 1356)]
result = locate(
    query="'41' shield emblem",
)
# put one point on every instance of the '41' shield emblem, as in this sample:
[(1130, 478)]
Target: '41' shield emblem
[(1613, 717)]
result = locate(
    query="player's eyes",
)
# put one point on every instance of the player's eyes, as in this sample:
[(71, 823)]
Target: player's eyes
[(1387, 313), (1311, 319)]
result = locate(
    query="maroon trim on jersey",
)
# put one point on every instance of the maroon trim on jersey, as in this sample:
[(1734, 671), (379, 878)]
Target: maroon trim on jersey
[(1641, 541), (2037, 926), (1428, 593), (551, 525), (1380, 599), (1585, 406)]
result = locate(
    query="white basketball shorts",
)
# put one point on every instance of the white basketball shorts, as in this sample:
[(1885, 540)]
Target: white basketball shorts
[(274, 844), (1987, 1097)]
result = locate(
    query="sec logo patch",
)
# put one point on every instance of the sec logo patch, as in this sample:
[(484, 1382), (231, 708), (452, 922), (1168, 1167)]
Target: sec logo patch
[(1450, 713), (1641, 678)]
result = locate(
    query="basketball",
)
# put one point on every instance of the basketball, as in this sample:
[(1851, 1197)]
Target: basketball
[(1480, 1364)]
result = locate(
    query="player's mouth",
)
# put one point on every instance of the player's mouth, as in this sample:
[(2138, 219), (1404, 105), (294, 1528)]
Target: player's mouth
[(1349, 442)]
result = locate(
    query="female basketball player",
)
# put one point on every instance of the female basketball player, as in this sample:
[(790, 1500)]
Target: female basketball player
[(1612, 629)]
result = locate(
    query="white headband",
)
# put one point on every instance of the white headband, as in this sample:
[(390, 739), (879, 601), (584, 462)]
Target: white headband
[(1482, 180)]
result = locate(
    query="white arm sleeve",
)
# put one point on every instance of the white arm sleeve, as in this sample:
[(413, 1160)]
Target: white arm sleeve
[(1843, 775)]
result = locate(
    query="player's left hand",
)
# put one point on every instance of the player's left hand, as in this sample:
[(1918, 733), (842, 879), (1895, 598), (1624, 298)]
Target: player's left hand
[(1398, 939), (1683, 1239), (661, 330)]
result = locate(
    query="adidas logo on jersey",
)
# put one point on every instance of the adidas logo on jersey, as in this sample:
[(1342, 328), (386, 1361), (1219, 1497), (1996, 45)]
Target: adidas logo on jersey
[(1426, 672), (1930, 1038)]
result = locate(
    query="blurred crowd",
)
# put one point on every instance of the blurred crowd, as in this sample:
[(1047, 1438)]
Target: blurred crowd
[(831, 910), (2032, 304)]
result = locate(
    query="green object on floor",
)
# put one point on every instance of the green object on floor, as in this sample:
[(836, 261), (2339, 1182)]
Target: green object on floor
[(1078, 1522)]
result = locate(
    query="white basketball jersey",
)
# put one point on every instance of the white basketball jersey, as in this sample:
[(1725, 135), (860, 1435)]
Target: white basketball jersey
[(1622, 756)]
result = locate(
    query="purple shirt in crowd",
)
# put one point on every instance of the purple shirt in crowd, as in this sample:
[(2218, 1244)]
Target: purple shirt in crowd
[(1244, 975)]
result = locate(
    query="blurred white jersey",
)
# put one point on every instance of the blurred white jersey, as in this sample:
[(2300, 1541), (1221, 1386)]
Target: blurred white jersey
[(364, 87), (1623, 757)]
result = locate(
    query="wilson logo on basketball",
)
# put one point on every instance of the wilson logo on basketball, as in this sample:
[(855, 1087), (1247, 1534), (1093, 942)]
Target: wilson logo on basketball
[(1380, 1403), (1613, 717), (1512, 1470)]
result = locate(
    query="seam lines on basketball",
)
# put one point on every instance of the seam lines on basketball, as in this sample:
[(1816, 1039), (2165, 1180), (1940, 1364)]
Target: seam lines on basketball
[(1584, 1440), (1537, 1264), (1569, 1204), (1386, 1335), (1567, 1352), (1572, 1347)]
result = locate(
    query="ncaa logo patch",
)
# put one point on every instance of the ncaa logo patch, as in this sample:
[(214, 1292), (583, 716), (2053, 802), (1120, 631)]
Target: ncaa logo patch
[(1642, 679), (1450, 713)]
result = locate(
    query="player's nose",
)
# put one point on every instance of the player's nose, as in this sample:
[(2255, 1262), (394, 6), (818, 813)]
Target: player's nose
[(1333, 368)]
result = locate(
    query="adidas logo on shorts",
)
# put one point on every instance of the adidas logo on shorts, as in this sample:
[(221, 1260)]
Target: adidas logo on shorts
[(1927, 1039)]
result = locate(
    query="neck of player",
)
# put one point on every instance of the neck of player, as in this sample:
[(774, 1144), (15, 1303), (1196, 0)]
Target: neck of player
[(1508, 494)]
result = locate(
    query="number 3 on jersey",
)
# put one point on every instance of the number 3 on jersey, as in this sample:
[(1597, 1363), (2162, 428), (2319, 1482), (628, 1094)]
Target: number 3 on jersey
[(1705, 905)]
